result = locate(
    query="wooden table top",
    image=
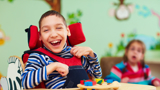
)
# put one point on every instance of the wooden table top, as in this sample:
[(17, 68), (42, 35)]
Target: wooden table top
[(158, 88), (124, 86)]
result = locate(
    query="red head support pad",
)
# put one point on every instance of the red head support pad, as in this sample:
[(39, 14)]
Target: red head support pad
[(77, 36), (33, 37)]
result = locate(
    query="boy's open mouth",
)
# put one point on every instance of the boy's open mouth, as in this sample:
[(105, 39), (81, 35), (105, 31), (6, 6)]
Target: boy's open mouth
[(56, 43)]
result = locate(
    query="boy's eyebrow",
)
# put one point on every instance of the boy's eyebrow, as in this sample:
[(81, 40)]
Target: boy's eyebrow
[(59, 24), (55, 25), (44, 26)]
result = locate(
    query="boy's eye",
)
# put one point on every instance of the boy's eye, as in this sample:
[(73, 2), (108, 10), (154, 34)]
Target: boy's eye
[(58, 27), (45, 30)]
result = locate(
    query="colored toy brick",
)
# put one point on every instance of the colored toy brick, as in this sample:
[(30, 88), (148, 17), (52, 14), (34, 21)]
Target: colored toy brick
[(88, 80), (82, 82), (94, 82), (109, 80), (88, 83), (99, 81)]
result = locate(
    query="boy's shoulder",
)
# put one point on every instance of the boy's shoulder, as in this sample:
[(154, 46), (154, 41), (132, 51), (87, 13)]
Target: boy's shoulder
[(37, 55), (68, 48), (34, 53)]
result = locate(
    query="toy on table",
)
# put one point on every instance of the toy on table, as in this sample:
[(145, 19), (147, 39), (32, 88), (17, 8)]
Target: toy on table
[(98, 84)]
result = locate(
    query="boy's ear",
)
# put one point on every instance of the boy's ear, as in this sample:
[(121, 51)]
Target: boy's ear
[(68, 31), (40, 37)]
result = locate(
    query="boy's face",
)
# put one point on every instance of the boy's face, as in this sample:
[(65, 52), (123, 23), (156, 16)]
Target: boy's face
[(53, 33)]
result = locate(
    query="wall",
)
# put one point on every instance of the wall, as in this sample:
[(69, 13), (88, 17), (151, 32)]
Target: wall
[(101, 29), (15, 17)]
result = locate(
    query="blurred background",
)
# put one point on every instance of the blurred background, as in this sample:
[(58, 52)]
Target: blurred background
[(107, 24)]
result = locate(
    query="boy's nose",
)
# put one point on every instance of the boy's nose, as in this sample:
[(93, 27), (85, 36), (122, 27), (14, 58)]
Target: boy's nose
[(53, 33)]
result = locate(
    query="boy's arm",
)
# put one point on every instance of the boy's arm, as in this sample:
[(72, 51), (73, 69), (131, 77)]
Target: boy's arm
[(34, 72), (37, 70), (91, 64), (60, 67), (89, 60)]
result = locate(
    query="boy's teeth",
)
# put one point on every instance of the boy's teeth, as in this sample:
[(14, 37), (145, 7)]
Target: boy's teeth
[(54, 41)]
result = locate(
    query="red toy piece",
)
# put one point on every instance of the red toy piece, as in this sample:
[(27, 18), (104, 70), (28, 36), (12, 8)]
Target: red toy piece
[(83, 81)]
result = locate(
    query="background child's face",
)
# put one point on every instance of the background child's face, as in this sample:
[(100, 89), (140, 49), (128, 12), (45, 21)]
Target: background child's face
[(135, 53), (53, 33)]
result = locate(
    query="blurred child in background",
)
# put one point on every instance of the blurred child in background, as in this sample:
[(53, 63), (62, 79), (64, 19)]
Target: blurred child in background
[(133, 68)]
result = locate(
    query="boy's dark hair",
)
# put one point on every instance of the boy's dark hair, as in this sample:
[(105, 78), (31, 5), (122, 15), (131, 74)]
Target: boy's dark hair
[(143, 51), (52, 12)]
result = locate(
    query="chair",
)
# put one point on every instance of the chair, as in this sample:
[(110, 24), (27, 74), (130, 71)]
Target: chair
[(77, 37), (107, 63), (13, 79)]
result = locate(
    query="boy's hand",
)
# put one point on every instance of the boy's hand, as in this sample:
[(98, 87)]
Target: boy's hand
[(63, 69), (125, 80), (79, 51), (156, 83)]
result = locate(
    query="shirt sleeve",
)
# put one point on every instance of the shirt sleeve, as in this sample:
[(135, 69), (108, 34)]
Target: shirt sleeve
[(34, 72), (150, 77), (92, 66), (115, 74)]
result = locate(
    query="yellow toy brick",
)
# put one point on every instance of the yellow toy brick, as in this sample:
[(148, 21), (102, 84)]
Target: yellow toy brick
[(99, 80)]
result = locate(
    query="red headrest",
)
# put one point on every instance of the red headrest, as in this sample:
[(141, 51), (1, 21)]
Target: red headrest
[(77, 36)]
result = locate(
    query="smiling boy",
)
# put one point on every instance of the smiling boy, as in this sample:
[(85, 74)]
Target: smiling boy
[(76, 61)]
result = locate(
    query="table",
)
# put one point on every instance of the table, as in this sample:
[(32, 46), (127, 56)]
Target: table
[(124, 86), (158, 88)]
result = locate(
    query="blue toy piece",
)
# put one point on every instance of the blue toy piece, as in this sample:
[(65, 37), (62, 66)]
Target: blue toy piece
[(88, 84), (109, 80)]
